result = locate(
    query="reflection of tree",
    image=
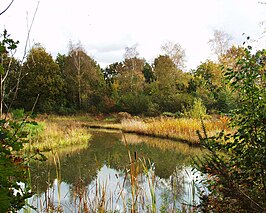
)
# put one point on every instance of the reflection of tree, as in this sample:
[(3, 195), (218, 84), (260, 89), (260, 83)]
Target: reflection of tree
[(106, 148)]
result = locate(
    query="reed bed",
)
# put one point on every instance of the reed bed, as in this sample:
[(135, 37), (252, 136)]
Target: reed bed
[(54, 134), (183, 129)]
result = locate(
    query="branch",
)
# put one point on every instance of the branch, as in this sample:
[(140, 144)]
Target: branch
[(6, 8), (29, 30), (8, 69), (24, 56)]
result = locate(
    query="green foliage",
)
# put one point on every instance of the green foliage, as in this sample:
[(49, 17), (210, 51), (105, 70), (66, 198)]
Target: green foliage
[(135, 103), (82, 76), (148, 73), (2, 70), (17, 114), (198, 110), (236, 162), (41, 80), (165, 73), (7, 44), (34, 129), (14, 189)]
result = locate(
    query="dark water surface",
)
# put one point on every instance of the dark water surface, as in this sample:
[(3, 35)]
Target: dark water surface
[(99, 175)]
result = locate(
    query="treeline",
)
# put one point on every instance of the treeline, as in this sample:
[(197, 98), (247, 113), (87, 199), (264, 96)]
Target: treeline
[(75, 82)]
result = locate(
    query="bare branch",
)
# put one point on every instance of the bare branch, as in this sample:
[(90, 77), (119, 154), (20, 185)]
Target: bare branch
[(24, 56), (175, 52), (6, 8), (29, 30)]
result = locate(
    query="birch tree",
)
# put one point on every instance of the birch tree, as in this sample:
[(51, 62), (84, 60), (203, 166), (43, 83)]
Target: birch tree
[(82, 75), (175, 52), (220, 43), (7, 50)]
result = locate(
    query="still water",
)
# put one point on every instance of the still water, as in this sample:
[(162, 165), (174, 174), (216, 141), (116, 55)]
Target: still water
[(116, 172)]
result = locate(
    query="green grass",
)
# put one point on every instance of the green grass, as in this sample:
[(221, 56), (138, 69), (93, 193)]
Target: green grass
[(61, 131), (58, 132)]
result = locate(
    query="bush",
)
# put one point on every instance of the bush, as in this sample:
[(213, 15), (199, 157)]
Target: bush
[(236, 163), (198, 110), (135, 103), (14, 189)]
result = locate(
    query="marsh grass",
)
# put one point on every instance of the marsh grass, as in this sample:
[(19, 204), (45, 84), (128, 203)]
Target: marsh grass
[(64, 131), (183, 129), (58, 132)]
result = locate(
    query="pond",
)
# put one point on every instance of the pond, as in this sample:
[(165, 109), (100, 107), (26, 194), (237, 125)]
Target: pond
[(116, 172)]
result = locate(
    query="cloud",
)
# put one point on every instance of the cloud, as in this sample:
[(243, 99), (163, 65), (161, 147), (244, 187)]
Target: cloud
[(106, 27)]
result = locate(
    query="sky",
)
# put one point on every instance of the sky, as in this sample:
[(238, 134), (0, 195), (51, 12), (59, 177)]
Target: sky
[(106, 27)]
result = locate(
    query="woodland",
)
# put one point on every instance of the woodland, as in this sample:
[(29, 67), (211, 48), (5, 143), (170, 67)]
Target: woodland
[(232, 84), (75, 82)]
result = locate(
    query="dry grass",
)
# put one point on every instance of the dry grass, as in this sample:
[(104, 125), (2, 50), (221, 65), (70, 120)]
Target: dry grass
[(62, 131), (179, 129), (58, 133)]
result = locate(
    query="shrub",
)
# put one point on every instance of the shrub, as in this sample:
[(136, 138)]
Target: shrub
[(135, 103), (198, 110), (236, 163), (14, 189)]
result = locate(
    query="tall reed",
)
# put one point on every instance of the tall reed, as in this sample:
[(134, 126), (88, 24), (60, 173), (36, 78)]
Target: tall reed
[(178, 129)]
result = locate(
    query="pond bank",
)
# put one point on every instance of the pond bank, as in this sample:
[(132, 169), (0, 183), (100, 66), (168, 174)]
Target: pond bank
[(177, 129), (93, 126), (182, 129), (75, 180)]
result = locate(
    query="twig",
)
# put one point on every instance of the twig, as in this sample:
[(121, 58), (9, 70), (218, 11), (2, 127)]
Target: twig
[(6, 8), (36, 100), (24, 56)]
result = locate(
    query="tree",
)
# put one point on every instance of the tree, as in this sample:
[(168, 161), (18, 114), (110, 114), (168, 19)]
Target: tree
[(82, 76), (42, 80), (230, 58), (111, 72), (211, 72), (130, 84), (175, 52), (132, 78), (10, 84), (236, 162), (165, 73), (14, 165), (164, 87), (7, 48), (131, 52), (132, 73), (220, 43), (148, 73), (211, 88)]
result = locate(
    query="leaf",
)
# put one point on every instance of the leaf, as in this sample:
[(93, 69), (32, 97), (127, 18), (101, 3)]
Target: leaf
[(2, 136), (2, 70), (2, 48)]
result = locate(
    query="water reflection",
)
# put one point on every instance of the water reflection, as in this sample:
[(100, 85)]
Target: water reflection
[(100, 175)]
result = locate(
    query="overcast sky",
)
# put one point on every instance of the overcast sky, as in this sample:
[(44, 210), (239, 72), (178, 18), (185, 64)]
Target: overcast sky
[(106, 27)]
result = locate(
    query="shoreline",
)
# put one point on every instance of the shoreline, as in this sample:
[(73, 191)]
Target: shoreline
[(94, 126)]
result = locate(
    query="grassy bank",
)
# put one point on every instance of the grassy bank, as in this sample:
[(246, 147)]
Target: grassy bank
[(54, 132), (182, 129)]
